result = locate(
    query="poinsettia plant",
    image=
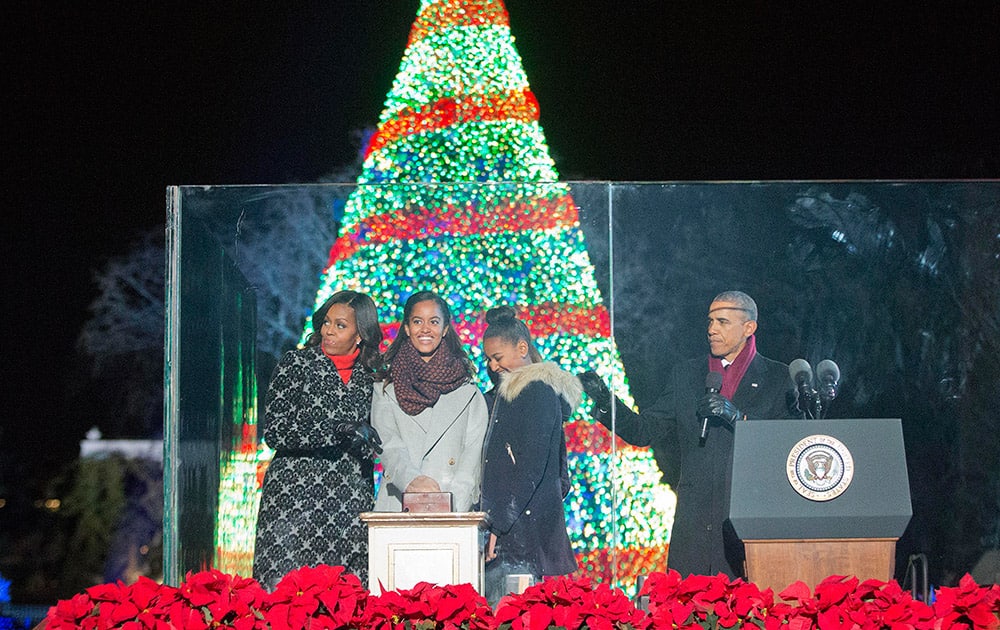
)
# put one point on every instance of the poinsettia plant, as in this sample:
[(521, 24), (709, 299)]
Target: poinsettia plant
[(328, 597), (846, 602), (701, 601), (839, 602), (208, 599), (317, 597), (968, 605), (569, 603), (429, 607)]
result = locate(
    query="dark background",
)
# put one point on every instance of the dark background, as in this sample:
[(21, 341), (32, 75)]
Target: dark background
[(106, 105)]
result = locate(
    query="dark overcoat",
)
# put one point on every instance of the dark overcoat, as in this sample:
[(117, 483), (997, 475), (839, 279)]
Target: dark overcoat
[(702, 541), (522, 465)]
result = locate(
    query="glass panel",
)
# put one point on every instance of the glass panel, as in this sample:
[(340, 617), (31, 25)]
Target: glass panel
[(246, 272), (896, 282), (244, 263)]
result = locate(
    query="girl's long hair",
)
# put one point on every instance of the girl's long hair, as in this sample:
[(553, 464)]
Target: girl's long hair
[(502, 322), (450, 340)]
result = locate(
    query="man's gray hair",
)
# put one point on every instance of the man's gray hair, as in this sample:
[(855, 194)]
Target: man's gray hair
[(741, 299)]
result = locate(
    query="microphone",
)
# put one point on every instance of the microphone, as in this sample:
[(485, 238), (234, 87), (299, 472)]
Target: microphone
[(828, 377), (802, 375), (713, 383)]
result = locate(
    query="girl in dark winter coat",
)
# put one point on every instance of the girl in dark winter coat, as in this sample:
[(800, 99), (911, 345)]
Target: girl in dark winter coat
[(523, 458), (317, 419)]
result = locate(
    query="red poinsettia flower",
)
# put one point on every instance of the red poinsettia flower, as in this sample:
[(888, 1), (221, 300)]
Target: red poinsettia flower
[(183, 615), (709, 590), (750, 602), (796, 591), (320, 596), (114, 604), (661, 586), (610, 608), (673, 614), (569, 603), (708, 601), (344, 600), (967, 605), (896, 608), (226, 601), (70, 613), (401, 605), (670, 600), (153, 601), (428, 607), (459, 606), (834, 589)]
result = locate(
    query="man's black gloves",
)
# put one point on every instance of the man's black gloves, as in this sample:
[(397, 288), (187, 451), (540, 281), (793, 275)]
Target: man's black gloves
[(718, 406), (364, 438), (597, 390)]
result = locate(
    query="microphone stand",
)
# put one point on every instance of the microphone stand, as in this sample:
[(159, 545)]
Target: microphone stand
[(808, 402)]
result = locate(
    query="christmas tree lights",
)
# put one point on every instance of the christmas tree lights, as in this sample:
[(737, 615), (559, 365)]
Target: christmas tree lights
[(459, 195)]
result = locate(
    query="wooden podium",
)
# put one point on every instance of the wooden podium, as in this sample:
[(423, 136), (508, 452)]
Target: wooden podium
[(815, 498), (778, 563), (437, 547)]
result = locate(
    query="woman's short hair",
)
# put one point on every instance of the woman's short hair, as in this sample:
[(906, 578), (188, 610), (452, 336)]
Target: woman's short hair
[(366, 318)]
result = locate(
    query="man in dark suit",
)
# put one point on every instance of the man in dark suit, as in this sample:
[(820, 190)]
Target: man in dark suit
[(699, 469)]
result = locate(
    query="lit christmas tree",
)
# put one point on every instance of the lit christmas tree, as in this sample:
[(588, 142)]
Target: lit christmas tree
[(459, 195), (461, 110)]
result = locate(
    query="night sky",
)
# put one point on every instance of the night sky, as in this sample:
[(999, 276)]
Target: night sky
[(106, 105)]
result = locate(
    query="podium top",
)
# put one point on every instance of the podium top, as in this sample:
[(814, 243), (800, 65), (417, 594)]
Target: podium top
[(873, 500), (423, 519)]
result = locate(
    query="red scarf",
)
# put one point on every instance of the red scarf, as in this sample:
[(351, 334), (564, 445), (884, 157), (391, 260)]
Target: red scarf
[(420, 383), (732, 375), (344, 362)]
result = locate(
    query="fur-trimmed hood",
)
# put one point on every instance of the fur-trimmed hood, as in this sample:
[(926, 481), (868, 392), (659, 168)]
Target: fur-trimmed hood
[(566, 385)]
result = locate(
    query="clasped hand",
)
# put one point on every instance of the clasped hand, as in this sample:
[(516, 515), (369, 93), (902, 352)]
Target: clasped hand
[(423, 483), (364, 437)]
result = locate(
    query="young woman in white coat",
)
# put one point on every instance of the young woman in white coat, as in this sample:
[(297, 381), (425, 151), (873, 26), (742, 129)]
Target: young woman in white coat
[(428, 411)]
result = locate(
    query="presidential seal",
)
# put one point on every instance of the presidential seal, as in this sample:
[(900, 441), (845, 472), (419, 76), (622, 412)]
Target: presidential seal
[(820, 467)]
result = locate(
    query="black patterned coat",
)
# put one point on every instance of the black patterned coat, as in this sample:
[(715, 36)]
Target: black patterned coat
[(315, 486)]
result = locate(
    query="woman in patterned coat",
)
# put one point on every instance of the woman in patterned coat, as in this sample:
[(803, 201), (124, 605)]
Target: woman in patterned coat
[(316, 418)]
